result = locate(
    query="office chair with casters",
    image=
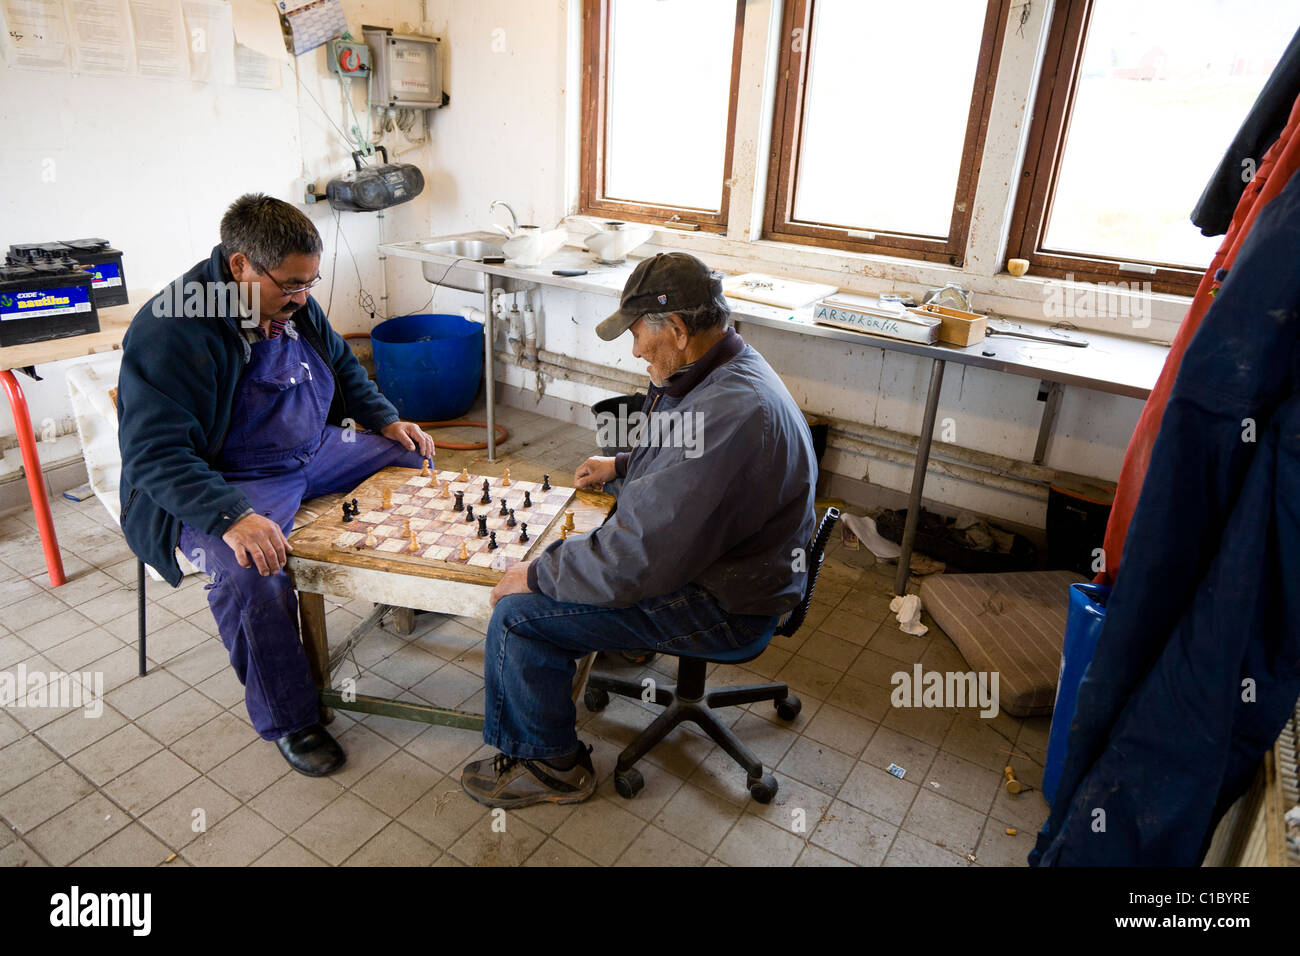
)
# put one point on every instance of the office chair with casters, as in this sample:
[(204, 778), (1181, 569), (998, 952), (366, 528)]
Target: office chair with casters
[(689, 699)]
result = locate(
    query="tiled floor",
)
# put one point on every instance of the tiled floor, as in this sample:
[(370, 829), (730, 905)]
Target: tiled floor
[(172, 773)]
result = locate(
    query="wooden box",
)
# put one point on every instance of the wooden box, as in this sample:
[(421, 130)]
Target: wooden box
[(957, 326)]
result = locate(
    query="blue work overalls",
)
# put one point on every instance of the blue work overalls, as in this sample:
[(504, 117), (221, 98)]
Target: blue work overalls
[(279, 451)]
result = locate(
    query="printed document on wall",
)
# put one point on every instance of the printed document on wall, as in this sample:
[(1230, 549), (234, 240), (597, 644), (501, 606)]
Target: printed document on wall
[(161, 46), (36, 36), (101, 37), (210, 26)]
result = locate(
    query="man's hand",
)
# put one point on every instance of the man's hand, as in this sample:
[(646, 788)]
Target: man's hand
[(257, 540), (514, 581), (410, 436), (594, 472)]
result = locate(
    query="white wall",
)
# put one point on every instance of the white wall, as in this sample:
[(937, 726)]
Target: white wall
[(167, 161)]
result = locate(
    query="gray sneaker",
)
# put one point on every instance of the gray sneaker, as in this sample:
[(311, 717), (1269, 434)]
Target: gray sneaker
[(513, 782)]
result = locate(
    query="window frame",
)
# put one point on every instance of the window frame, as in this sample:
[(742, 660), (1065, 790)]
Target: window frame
[(1053, 105), (592, 200), (787, 129)]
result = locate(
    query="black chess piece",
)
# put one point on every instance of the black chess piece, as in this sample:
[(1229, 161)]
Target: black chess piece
[(510, 522), (492, 541), (482, 526), (355, 510), (487, 495), (469, 513), (504, 510), (347, 512), (523, 532), (460, 501), (528, 500), (546, 482)]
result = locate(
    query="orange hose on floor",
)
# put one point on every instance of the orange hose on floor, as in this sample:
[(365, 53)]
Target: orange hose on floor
[(502, 434)]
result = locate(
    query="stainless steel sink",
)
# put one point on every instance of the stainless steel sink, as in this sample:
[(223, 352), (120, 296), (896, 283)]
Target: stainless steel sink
[(451, 276)]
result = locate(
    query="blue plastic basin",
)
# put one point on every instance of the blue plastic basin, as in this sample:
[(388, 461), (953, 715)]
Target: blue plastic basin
[(429, 366)]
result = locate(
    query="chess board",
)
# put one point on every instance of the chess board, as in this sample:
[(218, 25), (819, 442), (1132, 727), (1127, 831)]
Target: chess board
[(439, 530)]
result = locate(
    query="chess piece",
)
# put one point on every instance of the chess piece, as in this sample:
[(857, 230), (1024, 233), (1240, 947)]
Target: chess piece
[(388, 499), (347, 513), (546, 482), (414, 546), (568, 519), (355, 509), (406, 526), (528, 500), (492, 541), (460, 502), (486, 499), (564, 532), (446, 489), (469, 513), (505, 482), (510, 522), (464, 552), (371, 541), (482, 526), (523, 532), (424, 468), (504, 510), (464, 475)]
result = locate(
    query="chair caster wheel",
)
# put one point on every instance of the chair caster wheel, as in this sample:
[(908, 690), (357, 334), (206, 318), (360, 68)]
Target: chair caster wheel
[(763, 788), (789, 708), (629, 783), (595, 699)]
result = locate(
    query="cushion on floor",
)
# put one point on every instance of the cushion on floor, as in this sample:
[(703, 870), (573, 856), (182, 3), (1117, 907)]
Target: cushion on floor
[(1012, 623)]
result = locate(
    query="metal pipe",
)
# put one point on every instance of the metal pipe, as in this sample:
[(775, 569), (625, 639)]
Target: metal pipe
[(35, 477), (489, 372), (918, 476)]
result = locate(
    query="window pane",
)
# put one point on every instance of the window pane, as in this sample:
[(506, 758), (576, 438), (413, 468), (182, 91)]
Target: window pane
[(669, 93), (885, 110), (1164, 85)]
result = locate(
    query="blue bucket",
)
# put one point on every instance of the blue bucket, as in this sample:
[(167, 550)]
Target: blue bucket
[(429, 366), (1083, 624)]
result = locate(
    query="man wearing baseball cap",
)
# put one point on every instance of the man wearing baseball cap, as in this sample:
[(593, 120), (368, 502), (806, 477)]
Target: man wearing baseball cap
[(697, 556)]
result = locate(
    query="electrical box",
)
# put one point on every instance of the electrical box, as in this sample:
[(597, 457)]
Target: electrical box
[(348, 58), (407, 69)]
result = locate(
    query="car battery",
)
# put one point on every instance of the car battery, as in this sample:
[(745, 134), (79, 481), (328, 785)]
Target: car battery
[(45, 298), (108, 279)]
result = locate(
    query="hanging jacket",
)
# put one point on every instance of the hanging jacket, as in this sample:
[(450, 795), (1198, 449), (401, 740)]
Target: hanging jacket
[(1260, 130), (1198, 664), (1275, 171), (175, 402)]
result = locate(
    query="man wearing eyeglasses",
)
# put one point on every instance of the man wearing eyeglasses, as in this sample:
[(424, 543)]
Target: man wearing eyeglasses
[(236, 401)]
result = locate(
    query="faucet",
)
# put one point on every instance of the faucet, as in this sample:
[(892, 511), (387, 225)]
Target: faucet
[(514, 220)]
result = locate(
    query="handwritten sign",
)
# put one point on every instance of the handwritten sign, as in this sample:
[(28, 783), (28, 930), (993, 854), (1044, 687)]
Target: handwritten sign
[(894, 327)]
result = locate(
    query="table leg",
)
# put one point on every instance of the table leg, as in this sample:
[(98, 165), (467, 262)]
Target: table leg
[(35, 479), (489, 374), (311, 616), (1051, 407), (918, 476)]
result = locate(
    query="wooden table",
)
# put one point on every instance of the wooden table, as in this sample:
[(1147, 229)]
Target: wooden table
[(112, 327), (318, 568)]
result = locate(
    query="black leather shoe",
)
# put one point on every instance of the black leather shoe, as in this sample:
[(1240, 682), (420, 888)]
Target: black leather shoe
[(312, 751)]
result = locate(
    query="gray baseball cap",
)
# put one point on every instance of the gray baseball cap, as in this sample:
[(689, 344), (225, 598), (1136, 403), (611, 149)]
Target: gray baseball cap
[(667, 282)]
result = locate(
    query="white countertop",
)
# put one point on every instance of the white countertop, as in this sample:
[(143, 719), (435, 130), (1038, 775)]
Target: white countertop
[(1110, 363)]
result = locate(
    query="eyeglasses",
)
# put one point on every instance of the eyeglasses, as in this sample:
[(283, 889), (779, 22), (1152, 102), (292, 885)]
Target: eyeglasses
[(284, 291)]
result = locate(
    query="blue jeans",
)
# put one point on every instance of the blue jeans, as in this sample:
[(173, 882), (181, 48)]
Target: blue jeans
[(533, 642)]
